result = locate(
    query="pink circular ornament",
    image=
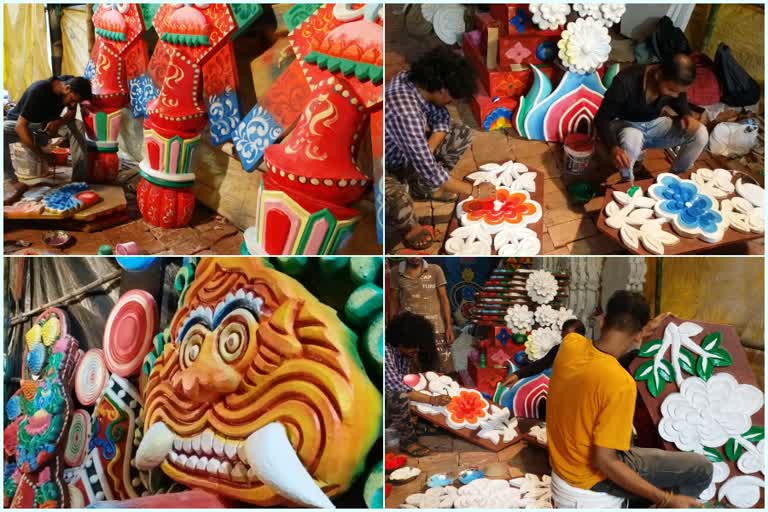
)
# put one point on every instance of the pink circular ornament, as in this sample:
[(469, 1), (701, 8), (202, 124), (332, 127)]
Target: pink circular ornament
[(129, 331), (91, 376), (77, 438), (411, 380)]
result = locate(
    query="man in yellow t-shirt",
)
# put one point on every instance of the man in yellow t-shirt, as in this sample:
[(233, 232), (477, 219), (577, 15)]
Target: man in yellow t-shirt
[(590, 410)]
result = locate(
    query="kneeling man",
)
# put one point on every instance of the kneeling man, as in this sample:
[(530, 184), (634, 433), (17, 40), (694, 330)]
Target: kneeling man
[(634, 114)]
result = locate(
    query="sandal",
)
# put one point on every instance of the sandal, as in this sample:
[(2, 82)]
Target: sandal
[(417, 450), (423, 238)]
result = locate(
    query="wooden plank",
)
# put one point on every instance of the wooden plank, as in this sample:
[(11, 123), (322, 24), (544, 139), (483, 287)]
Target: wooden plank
[(470, 435), (685, 246), (113, 200), (492, 55)]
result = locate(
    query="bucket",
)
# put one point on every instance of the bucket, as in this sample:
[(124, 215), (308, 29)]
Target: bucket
[(578, 151)]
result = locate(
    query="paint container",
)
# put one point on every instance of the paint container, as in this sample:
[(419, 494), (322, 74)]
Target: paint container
[(578, 150), (127, 249)]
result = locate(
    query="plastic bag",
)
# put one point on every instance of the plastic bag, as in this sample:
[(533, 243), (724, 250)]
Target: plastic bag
[(733, 139)]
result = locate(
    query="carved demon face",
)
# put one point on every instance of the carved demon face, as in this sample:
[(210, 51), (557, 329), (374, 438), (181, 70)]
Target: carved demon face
[(260, 395)]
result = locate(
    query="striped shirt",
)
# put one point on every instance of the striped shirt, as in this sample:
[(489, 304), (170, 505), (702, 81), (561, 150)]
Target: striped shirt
[(396, 366), (409, 121)]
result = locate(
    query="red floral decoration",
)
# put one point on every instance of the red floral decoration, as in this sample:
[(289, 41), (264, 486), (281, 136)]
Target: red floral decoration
[(467, 407), (511, 207)]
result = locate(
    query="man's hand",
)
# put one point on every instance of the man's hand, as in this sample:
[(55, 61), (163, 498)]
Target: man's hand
[(449, 336), (510, 381), (485, 190), (440, 400), (652, 325), (681, 501), (690, 124), (69, 115), (620, 158), (52, 128)]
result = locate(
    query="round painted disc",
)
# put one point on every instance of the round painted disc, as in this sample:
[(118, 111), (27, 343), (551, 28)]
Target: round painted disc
[(129, 331), (90, 376), (77, 439)]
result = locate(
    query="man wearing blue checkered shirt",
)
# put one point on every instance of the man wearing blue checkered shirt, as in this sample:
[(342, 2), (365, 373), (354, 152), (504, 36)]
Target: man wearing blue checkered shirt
[(409, 337), (422, 144)]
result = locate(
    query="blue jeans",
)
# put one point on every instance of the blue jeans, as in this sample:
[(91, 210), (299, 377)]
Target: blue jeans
[(660, 133), (680, 472)]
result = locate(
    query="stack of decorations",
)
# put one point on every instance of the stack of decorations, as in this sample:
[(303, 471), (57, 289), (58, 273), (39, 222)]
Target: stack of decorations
[(514, 49), (696, 383), (526, 309), (312, 176)]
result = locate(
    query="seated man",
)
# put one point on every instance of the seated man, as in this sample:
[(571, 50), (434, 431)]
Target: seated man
[(38, 115), (590, 410), (422, 145), (408, 337), (631, 117)]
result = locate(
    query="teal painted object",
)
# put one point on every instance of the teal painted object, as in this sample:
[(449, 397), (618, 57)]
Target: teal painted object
[(364, 302), (610, 74), (298, 14), (373, 493), (245, 14), (541, 89), (371, 346), (149, 11), (365, 270), (293, 266)]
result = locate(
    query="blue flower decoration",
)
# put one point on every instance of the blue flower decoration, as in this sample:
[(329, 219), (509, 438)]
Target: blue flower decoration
[(90, 70), (504, 337), (520, 19), (36, 358), (521, 359), (692, 210), (469, 475), (142, 91), (13, 408)]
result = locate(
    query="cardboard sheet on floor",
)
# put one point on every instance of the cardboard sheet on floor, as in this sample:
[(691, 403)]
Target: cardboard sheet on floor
[(685, 246), (470, 435)]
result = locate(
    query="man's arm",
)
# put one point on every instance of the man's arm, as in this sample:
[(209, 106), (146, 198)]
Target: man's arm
[(445, 307), (53, 126), (435, 140), (25, 136)]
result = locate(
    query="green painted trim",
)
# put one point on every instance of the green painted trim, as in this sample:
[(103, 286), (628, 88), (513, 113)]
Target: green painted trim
[(108, 34), (244, 250), (245, 14), (167, 159), (107, 150), (101, 125), (314, 219), (361, 70), (297, 14), (166, 184), (148, 11), (185, 39), (523, 110), (339, 237), (610, 74), (186, 154)]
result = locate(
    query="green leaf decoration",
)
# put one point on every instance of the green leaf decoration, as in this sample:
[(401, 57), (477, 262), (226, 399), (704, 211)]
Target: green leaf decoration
[(108, 34), (650, 349), (644, 371), (705, 367), (185, 39), (687, 361), (245, 14), (666, 371), (713, 455), (711, 341), (361, 70), (754, 435), (733, 450), (721, 357), (655, 384), (148, 12)]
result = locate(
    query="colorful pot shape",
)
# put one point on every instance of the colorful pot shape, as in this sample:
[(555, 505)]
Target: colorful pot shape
[(165, 207)]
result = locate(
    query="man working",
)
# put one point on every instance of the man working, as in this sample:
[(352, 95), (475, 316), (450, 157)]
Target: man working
[(38, 115), (419, 287), (590, 409), (422, 145), (632, 116)]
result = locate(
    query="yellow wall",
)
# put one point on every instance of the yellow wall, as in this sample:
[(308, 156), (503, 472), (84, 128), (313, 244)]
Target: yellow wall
[(25, 47), (740, 26), (712, 289)]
